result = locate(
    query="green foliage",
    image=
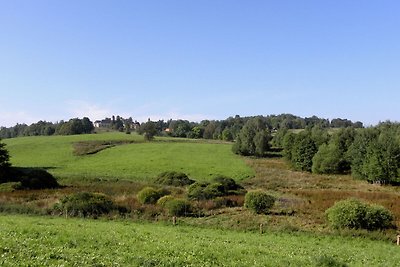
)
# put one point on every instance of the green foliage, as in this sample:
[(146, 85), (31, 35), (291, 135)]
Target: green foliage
[(178, 207), (288, 143), (75, 126), (253, 139), (4, 156), (150, 195), (327, 159), (148, 130), (4, 161), (227, 134), (30, 178), (352, 213), (375, 155), (220, 186), (164, 199), (204, 190), (85, 204), (303, 152), (259, 202), (173, 178)]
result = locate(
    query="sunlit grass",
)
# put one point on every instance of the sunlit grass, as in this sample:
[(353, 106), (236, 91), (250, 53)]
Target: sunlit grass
[(44, 241)]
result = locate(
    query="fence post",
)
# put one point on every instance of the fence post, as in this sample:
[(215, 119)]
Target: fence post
[(174, 220), (261, 228), (398, 240)]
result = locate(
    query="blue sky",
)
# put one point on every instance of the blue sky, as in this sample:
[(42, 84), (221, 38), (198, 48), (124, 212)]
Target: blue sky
[(199, 59)]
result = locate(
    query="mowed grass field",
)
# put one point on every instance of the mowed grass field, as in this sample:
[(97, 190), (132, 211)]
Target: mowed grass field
[(138, 161), (55, 241)]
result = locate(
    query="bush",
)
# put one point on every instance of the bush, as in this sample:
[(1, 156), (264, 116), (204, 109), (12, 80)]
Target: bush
[(258, 201), (31, 178), (178, 207), (354, 214), (149, 195), (221, 186), (201, 191), (162, 201), (86, 204), (173, 179), (229, 186)]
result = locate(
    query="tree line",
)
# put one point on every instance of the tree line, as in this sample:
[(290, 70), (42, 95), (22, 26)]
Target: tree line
[(229, 129), (371, 154), (226, 130), (73, 126)]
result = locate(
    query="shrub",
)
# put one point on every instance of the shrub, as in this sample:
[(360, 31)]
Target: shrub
[(354, 214), (201, 191), (229, 186), (178, 207), (149, 195), (377, 217), (221, 186), (258, 201), (31, 178), (86, 204), (174, 179), (163, 200)]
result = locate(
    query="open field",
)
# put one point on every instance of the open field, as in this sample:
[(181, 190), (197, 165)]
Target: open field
[(137, 161), (39, 241)]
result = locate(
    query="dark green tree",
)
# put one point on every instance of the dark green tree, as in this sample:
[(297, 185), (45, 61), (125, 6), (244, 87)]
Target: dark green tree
[(288, 143), (303, 151), (333, 157), (253, 139), (4, 160), (149, 130), (4, 156)]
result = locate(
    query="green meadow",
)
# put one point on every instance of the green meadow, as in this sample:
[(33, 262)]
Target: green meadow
[(55, 241), (138, 161)]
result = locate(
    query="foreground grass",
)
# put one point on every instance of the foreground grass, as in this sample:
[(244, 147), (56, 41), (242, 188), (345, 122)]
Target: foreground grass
[(137, 161), (49, 241)]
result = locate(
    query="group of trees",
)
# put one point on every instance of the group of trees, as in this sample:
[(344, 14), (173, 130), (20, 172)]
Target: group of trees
[(372, 153), (229, 129), (73, 126)]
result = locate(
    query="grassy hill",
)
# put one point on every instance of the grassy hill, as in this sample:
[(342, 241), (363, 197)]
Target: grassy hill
[(136, 161), (44, 241)]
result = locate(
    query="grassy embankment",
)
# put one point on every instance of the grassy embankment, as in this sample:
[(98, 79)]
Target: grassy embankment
[(40, 241), (137, 161)]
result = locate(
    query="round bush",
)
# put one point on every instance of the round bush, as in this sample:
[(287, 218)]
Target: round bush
[(354, 214), (149, 195), (259, 202), (32, 178), (229, 186), (163, 200), (86, 204), (178, 207), (173, 179)]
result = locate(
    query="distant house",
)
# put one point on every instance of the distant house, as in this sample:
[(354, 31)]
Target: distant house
[(106, 123), (132, 125)]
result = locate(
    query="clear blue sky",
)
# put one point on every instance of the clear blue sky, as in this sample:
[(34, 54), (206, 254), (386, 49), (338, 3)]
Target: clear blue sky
[(199, 59)]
